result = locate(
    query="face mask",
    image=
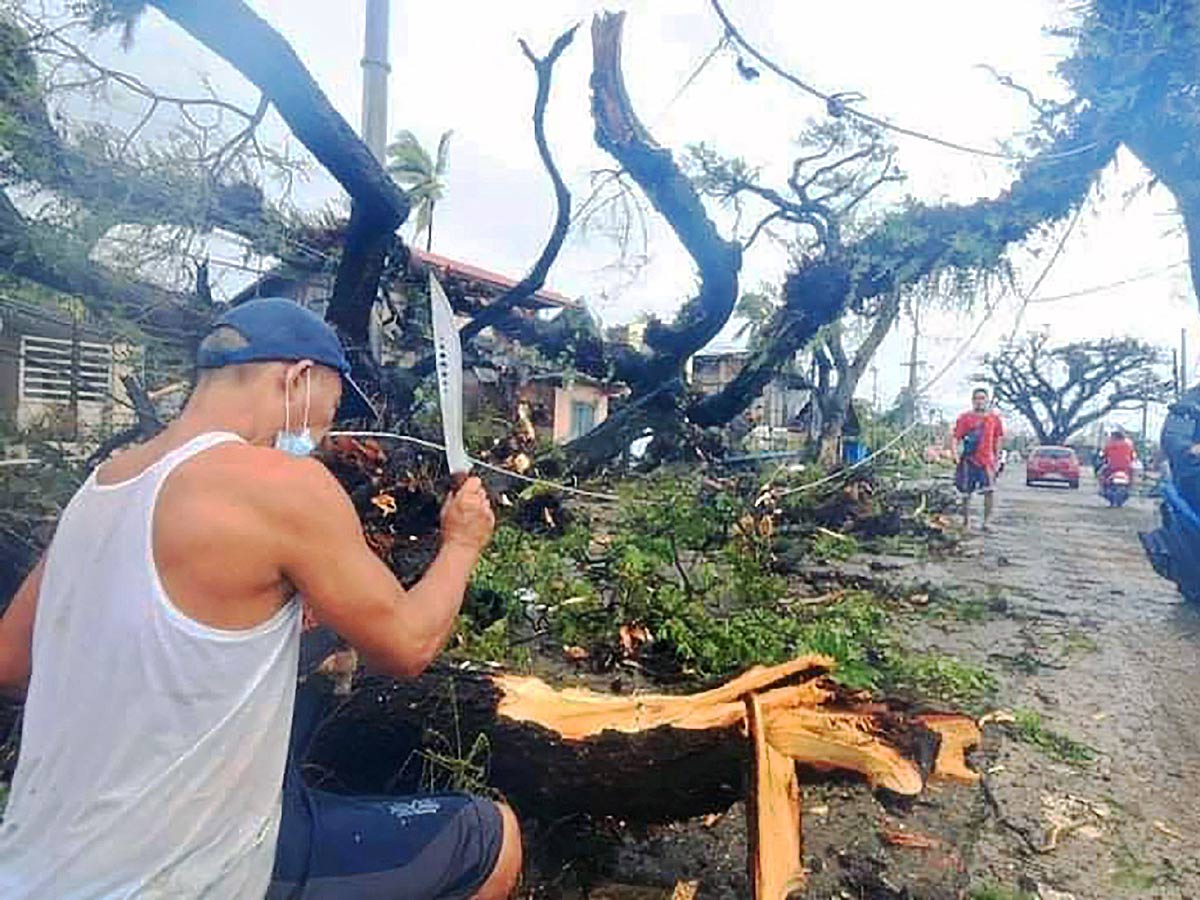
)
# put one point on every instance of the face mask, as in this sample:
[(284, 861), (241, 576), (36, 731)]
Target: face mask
[(296, 443)]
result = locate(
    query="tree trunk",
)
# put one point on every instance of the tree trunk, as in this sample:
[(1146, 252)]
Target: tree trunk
[(641, 758), (830, 446), (236, 33)]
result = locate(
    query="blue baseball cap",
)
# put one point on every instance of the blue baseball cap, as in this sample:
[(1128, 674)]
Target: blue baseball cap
[(276, 330)]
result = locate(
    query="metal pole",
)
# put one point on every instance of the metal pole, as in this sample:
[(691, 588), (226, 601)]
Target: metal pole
[(376, 68)]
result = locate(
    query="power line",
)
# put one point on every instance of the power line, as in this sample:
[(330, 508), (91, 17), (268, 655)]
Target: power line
[(1058, 249), (1098, 288), (838, 106)]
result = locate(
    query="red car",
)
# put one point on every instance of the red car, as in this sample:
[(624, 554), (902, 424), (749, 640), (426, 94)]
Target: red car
[(1057, 465)]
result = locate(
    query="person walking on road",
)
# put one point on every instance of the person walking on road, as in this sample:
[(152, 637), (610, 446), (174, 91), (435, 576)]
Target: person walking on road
[(977, 436), (157, 644)]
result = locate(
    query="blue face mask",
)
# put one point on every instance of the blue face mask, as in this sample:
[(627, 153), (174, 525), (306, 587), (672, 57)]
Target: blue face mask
[(296, 443)]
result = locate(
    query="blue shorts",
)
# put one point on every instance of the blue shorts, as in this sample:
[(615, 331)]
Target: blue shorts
[(333, 846), (970, 477)]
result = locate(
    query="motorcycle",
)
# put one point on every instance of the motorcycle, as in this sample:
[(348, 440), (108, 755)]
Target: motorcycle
[(1174, 548), (1115, 487)]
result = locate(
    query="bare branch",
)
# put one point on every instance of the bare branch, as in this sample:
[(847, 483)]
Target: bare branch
[(532, 282)]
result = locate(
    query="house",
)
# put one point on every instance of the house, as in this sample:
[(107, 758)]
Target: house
[(772, 418), (564, 405), (569, 405), (61, 374)]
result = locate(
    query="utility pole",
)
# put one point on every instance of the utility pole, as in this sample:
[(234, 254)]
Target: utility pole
[(376, 68), (909, 412)]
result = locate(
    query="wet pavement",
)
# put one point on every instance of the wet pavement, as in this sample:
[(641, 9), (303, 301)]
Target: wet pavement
[(1106, 653)]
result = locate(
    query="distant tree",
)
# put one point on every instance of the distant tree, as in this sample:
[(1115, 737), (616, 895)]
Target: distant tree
[(422, 175), (1060, 390)]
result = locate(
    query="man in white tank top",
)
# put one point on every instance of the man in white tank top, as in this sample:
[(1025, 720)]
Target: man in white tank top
[(157, 644)]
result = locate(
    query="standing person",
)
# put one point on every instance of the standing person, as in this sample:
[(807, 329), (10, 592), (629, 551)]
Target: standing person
[(977, 435), (158, 639)]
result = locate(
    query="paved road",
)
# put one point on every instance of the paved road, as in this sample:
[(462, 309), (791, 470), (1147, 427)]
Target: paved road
[(1108, 654)]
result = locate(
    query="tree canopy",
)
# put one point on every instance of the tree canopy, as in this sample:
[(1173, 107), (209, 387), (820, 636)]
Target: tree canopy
[(1061, 390)]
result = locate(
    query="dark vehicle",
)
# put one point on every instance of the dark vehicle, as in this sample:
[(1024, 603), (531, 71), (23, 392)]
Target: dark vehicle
[(1052, 465), (1174, 548)]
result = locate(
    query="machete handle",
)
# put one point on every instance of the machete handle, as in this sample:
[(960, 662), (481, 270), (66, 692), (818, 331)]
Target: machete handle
[(457, 480)]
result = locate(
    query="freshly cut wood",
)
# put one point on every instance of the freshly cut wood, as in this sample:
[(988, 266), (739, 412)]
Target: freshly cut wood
[(959, 735), (772, 813), (850, 741), (642, 757), (576, 714)]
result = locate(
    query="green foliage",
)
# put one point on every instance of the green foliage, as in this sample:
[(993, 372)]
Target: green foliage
[(692, 568), (831, 545), (1030, 729), (450, 764), (423, 176)]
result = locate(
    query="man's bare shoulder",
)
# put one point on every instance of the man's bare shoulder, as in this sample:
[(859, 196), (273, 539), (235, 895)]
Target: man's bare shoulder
[(259, 477)]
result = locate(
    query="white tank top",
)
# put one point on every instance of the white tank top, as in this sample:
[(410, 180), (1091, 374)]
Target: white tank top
[(152, 747)]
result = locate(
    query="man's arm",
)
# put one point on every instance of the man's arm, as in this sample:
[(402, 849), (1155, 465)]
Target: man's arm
[(16, 634), (325, 556)]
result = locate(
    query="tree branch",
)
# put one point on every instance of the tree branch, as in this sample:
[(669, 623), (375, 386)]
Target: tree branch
[(622, 135), (531, 283)]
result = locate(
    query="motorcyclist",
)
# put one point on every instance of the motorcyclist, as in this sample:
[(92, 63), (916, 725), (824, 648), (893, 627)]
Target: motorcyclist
[(1117, 456)]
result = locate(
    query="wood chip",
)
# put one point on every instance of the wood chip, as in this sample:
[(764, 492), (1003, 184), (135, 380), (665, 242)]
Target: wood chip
[(997, 717), (1168, 831)]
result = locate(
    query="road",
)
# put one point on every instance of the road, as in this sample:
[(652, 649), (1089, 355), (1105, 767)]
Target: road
[(1105, 652)]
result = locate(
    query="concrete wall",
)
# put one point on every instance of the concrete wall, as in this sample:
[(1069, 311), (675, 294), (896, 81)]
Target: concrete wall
[(564, 400)]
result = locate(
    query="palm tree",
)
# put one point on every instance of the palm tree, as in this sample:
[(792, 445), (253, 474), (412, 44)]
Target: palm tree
[(422, 176), (756, 309)]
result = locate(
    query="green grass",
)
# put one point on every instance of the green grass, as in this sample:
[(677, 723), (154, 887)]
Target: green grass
[(1133, 873), (1029, 728), (996, 892)]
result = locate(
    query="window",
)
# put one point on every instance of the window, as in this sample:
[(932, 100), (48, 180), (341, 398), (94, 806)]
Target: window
[(583, 418), (46, 370)]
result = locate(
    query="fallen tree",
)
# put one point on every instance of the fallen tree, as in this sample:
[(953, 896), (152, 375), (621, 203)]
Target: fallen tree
[(646, 758)]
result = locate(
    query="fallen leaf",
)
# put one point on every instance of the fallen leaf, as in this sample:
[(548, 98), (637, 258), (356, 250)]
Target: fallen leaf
[(385, 502), (711, 819), (632, 637), (685, 890), (575, 653)]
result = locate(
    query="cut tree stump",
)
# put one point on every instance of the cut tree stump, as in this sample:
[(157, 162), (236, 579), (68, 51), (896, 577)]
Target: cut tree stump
[(648, 758)]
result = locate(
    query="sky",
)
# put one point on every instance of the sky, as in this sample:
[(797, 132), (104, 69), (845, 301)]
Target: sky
[(456, 65)]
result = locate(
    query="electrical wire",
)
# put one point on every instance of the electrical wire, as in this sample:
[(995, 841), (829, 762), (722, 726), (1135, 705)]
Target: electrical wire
[(433, 445), (834, 102), (1107, 286)]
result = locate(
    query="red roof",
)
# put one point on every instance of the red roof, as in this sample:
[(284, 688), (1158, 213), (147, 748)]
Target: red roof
[(483, 276)]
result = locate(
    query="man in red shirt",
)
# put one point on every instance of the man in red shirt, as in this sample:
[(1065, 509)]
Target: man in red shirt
[(977, 435), (1118, 454)]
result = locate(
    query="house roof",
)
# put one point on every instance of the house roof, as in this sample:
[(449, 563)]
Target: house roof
[(491, 280), (471, 280)]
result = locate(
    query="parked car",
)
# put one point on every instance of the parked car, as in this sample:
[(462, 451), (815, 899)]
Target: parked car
[(1052, 465)]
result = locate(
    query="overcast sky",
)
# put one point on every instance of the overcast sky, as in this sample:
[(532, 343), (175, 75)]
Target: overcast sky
[(456, 65)]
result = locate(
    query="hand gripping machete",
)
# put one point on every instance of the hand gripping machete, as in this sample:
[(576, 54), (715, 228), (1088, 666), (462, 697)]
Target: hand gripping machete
[(448, 358)]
